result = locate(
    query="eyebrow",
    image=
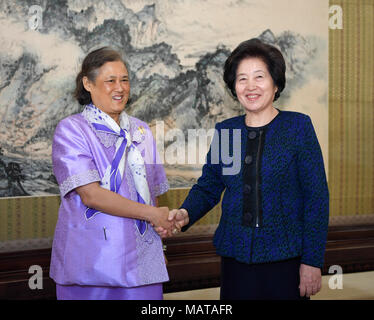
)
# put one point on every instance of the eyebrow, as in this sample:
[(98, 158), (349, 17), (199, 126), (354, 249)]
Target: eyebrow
[(245, 74), (114, 77)]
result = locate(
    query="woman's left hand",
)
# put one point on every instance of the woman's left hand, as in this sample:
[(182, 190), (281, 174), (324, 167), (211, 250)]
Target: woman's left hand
[(310, 280)]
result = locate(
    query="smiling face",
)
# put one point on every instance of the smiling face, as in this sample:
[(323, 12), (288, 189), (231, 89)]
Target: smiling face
[(111, 89), (254, 86)]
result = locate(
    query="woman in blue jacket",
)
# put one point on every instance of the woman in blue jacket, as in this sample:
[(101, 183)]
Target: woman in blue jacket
[(273, 228)]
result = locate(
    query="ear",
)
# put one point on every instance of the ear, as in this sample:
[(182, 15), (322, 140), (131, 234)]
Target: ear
[(86, 83)]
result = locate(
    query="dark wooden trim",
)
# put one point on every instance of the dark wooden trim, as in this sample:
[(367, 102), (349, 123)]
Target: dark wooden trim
[(192, 262), (14, 275), (352, 248)]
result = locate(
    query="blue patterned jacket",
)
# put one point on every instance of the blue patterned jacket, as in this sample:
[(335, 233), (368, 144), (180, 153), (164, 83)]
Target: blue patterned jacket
[(295, 197)]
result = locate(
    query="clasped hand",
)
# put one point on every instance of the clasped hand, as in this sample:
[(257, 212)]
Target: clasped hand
[(173, 223)]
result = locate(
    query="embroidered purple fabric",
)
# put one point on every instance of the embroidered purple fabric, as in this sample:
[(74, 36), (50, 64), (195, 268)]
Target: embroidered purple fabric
[(105, 250)]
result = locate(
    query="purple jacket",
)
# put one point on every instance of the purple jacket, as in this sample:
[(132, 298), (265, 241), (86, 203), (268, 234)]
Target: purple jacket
[(105, 250)]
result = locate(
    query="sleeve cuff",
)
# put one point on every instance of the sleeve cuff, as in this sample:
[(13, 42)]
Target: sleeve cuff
[(78, 180)]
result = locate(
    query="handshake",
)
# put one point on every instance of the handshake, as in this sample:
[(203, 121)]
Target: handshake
[(168, 223)]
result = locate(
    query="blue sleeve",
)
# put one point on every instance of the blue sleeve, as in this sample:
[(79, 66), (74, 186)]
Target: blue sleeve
[(206, 193), (312, 178)]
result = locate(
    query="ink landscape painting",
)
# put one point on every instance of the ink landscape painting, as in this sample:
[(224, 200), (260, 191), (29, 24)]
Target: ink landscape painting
[(175, 51)]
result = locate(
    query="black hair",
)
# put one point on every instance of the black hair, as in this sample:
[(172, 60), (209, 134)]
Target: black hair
[(255, 48), (90, 69)]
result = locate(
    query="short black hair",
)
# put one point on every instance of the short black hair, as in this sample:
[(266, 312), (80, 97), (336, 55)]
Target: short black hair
[(255, 48), (90, 66)]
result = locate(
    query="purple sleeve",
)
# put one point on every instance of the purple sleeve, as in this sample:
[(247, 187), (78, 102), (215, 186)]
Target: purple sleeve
[(72, 160), (157, 180), (160, 181)]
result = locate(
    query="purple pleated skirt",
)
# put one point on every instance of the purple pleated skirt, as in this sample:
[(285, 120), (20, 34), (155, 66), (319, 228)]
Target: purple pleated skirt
[(149, 292)]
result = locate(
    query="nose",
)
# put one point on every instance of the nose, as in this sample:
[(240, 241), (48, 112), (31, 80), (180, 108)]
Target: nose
[(251, 85), (119, 86)]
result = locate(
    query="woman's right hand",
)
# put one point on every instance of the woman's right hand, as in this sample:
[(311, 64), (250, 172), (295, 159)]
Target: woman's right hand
[(179, 218), (96, 197), (159, 219)]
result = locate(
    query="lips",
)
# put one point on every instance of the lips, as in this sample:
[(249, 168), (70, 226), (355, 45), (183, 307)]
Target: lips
[(252, 97), (117, 97)]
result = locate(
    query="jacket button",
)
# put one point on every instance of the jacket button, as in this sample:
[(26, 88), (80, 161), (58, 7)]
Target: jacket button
[(248, 159), (247, 188), (252, 135)]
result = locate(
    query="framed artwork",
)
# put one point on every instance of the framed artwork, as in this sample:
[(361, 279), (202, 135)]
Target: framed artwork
[(175, 52)]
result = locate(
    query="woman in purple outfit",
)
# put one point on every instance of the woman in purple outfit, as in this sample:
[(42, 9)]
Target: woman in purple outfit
[(107, 167)]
